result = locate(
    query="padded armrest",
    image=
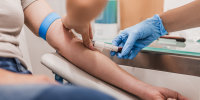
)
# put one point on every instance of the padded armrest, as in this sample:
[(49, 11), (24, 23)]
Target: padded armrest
[(68, 71)]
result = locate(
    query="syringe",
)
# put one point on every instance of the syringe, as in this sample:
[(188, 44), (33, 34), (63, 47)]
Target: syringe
[(101, 46)]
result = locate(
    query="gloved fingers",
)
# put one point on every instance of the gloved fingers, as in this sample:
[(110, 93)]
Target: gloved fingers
[(119, 56), (139, 45), (129, 44), (120, 45), (134, 53), (126, 57), (117, 40), (145, 42), (112, 53), (122, 57)]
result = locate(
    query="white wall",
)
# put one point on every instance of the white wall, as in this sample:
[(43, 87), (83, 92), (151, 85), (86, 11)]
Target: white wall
[(170, 4), (37, 47)]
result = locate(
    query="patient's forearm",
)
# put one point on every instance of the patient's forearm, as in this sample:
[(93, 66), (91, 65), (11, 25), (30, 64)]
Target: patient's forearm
[(92, 62)]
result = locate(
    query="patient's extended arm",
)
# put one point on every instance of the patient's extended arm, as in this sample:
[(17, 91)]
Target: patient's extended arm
[(90, 61)]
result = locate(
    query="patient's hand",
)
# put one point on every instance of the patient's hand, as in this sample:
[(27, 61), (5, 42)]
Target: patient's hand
[(15, 78), (158, 93)]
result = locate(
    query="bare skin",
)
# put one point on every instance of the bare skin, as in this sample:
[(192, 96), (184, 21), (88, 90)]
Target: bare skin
[(79, 15), (181, 18), (11, 78)]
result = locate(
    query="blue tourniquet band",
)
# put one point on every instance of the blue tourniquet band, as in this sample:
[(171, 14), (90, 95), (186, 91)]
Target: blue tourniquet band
[(47, 23)]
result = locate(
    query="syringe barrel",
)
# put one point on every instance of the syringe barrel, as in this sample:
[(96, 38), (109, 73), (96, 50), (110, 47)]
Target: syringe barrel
[(101, 45), (111, 47)]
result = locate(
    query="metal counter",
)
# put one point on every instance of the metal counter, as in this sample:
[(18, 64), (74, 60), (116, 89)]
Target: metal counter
[(189, 65)]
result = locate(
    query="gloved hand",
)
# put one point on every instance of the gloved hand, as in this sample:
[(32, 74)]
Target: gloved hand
[(134, 38)]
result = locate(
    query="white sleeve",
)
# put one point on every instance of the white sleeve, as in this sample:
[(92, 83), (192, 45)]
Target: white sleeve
[(26, 3)]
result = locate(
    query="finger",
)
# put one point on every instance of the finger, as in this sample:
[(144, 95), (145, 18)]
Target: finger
[(172, 94), (112, 53), (86, 41), (128, 45), (171, 99), (126, 57), (116, 42), (65, 23), (134, 53), (144, 42), (90, 32), (138, 46), (180, 97), (119, 54)]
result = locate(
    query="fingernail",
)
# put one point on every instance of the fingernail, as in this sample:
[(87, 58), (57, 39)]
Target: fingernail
[(91, 46)]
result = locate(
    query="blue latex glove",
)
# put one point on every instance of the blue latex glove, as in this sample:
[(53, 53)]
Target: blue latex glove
[(134, 38)]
